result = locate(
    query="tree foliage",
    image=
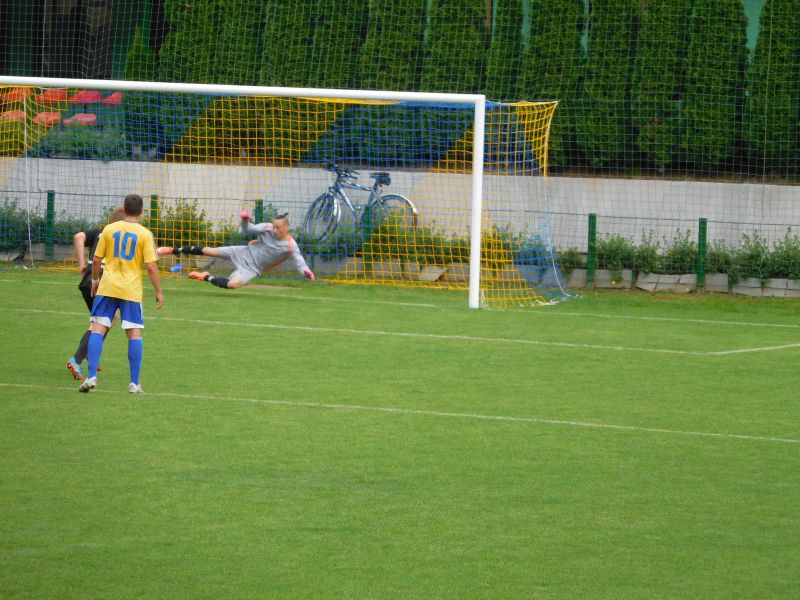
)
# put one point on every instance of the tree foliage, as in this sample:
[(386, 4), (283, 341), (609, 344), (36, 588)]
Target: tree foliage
[(391, 57), (505, 52), (188, 52), (773, 108), (641, 84), (612, 44), (658, 79), (286, 43), (455, 47), (715, 66), (140, 107), (339, 31), (238, 45), (551, 69)]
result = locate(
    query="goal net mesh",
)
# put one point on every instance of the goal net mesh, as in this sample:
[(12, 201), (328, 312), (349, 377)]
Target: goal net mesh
[(399, 212)]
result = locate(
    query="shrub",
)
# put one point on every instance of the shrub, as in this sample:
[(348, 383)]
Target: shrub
[(716, 57), (455, 47), (13, 226), (14, 231), (343, 243), (430, 246), (680, 255), (82, 142), (751, 259), (719, 258), (179, 224), (615, 253), (390, 240), (571, 259), (66, 226), (784, 260), (647, 258), (12, 138)]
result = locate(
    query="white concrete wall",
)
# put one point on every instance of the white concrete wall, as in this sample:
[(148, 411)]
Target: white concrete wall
[(629, 207)]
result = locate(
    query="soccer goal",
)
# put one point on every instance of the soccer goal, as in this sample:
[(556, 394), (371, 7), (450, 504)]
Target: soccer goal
[(400, 188)]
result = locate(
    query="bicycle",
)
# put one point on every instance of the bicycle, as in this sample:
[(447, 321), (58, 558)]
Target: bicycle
[(325, 213)]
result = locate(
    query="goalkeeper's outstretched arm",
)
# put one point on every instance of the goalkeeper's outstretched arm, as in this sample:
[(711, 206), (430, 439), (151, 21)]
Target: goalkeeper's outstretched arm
[(299, 262), (249, 227)]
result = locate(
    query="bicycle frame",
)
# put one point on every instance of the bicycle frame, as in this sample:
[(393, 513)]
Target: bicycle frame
[(345, 181)]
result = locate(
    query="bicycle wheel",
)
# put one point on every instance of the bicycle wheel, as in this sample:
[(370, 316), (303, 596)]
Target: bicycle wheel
[(322, 217), (393, 210)]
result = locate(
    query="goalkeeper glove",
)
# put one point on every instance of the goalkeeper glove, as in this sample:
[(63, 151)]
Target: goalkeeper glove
[(246, 214), (309, 275)]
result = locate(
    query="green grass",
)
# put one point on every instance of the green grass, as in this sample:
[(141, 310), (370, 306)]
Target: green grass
[(322, 441)]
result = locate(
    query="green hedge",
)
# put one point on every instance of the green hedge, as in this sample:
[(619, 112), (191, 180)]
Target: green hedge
[(773, 108), (15, 222), (603, 132), (455, 47), (551, 69), (658, 76), (659, 86), (715, 67)]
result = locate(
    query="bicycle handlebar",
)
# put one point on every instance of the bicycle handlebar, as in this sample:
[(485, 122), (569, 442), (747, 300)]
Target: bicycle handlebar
[(348, 177), (341, 171)]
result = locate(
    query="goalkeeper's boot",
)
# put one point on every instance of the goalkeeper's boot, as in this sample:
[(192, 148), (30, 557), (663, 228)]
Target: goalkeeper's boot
[(199, 275), (88, 385), (165, 250), (135, 388), (74, 368)]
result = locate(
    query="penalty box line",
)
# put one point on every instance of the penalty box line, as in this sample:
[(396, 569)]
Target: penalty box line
[(437, 336), (426, 413)]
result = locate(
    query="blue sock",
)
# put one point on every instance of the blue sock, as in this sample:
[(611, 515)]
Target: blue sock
[(135, 349), (95, 350)]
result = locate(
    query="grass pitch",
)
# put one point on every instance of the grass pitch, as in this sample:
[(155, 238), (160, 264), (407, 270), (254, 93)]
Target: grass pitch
[(328, 441)]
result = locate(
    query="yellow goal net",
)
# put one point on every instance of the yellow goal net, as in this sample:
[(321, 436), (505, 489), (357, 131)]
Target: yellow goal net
[(377, 190)]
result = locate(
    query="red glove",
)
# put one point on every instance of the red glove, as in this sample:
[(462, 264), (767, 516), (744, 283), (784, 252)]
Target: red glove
[(309, 275), (246, 214)]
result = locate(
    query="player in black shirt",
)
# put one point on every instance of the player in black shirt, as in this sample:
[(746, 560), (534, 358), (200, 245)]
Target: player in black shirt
[(86, 239)]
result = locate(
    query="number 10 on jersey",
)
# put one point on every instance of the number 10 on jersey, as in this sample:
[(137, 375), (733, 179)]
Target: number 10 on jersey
[(124, 245)]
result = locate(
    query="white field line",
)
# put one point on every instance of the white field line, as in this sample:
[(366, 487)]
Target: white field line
[(425, 413), (746, 350), (670, 319), (430, 336), (534, 312), (251, 292)]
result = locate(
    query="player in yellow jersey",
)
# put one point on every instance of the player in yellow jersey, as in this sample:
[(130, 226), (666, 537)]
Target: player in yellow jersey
[(127, 248)]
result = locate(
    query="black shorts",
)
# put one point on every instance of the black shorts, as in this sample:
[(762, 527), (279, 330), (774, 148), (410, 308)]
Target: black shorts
[(85, 286)]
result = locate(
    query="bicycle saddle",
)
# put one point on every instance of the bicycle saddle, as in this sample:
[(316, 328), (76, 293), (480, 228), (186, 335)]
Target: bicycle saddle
[(381, 178)]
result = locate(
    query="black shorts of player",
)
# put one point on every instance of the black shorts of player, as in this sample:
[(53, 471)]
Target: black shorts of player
[(85, 286)]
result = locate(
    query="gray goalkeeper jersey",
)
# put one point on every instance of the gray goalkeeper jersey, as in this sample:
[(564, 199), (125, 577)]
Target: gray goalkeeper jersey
[(265, 252)]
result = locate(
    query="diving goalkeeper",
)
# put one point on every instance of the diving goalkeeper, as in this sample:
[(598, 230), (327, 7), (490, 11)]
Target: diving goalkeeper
[(273, 246)]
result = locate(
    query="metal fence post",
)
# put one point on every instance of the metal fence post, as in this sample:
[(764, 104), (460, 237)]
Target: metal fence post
[(50, 224), (591, 256), (702, 252)]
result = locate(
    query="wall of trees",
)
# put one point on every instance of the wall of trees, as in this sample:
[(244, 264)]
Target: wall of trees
[(660, 87), (647, 87)]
